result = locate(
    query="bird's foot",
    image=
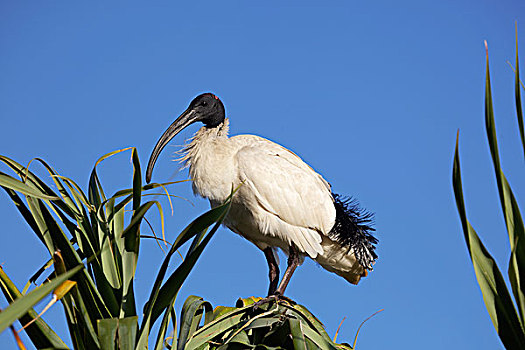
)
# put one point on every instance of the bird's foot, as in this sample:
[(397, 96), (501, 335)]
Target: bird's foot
[(282, 297), (263, 301), (274, 297)]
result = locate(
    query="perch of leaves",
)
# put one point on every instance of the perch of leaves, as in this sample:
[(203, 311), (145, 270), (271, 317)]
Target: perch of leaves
[(274, 325)]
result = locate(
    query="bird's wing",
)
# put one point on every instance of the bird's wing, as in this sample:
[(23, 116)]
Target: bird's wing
[(292, 200)]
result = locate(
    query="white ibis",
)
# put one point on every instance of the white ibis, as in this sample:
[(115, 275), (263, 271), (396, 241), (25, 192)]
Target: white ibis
[(282, 202)]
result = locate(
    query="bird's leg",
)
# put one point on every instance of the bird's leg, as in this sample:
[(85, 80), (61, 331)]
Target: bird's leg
[(273, 270), (273, 293), (293, 262)]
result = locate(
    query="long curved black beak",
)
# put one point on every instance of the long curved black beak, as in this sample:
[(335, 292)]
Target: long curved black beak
[(185, 119)]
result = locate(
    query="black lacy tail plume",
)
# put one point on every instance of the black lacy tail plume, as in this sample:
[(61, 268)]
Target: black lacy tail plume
[(353, 229)]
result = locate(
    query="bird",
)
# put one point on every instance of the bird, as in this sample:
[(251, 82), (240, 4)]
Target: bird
[(281, 202)]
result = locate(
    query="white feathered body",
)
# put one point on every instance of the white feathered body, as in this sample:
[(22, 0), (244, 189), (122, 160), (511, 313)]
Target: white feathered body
[(280, 200)]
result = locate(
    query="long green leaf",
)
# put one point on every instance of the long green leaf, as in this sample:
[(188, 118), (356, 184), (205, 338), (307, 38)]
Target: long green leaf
[(19, 186), (509, 206), (21, 305), (131, 244), (117, 333), (517, 257), (169, 315), (80, 321), (107, 256), (28, 177), (38, 331), (319, 341), (217, 327), (511, 213), (127, 305), (310, 320), (495, 294), (66, 204), (517, 94), (192, 312), (238, 339), (137, 180)]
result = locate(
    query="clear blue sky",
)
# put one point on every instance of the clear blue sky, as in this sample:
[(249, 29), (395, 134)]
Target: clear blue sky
[(370, 94)]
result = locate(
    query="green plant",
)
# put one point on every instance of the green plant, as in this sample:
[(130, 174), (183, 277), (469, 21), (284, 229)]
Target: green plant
[(274, 325), (94, 249), (509, 323)]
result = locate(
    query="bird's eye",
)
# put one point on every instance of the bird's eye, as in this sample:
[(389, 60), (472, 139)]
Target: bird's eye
[(204, 103)]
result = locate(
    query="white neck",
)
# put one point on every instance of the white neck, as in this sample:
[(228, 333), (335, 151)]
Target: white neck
[(202, 137), (208, 156)]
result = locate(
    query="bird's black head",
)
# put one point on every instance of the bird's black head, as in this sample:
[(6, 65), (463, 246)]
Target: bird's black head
[(205, 108), (208, 109)]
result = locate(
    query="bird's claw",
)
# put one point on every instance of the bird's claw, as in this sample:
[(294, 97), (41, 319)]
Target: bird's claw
[(274, 297), (263, 301), (282, 297)]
